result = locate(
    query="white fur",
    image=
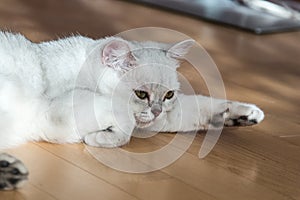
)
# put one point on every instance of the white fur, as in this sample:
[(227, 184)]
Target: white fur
[(38, 83)]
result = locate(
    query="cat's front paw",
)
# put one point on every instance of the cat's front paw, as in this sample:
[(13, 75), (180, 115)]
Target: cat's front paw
[(241, 114), (13, 173), (108, 138)]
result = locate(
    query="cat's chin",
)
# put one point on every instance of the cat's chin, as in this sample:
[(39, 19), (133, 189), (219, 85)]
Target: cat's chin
[(144, 124), (141, 124)]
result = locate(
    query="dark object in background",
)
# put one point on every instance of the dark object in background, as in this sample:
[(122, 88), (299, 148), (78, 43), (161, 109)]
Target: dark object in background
[(258, 16)]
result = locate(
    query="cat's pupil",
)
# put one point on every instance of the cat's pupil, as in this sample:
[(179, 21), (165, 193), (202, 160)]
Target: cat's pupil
[(141, 94), (169, 95)]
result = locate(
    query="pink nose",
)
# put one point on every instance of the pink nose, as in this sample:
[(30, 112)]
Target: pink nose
[(156, 111)]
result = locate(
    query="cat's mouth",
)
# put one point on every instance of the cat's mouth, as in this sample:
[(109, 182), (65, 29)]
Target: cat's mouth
[(143, 124)]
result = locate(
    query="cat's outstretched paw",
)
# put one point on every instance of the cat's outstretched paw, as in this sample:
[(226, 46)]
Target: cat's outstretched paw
[(240, 114), (13, 173), (109, 138)]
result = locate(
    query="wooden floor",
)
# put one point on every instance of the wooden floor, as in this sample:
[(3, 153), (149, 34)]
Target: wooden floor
[(260, 162)]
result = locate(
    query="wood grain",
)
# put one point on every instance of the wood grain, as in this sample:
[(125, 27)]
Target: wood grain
[(260, 162)]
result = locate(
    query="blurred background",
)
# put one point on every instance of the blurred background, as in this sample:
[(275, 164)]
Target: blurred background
[(102, 17), (258, 16)]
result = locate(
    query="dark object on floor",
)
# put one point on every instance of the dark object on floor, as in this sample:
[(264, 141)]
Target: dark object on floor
[(258, 16)]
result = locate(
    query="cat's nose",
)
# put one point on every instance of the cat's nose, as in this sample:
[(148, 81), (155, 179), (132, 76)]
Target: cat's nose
[(156, 110)]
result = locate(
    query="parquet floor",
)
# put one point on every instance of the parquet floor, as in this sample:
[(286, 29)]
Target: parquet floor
[(260, 162)]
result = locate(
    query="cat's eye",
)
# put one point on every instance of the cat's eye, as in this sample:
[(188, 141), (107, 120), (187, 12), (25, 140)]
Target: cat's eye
[(141, 94), (169, 95)]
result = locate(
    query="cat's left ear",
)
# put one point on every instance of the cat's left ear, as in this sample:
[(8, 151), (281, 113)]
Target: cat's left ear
[(180, 49), (117, 55)]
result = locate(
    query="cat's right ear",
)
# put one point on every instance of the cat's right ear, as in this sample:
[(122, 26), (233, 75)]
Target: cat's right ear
[(117, 55)]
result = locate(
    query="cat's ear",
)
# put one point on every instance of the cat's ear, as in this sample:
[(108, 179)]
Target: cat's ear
[(180, 49), (116, 54)]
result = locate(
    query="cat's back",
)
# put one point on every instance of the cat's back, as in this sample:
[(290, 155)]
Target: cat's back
[(14, 47), (62, 60), (19, 60), (49, 66), (9, 39)]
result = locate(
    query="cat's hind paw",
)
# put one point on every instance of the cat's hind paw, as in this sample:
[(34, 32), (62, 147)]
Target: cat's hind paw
[(243, 115), (13, 173)]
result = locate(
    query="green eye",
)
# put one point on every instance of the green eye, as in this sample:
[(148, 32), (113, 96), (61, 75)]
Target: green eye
[(169, 95), (141, 94)]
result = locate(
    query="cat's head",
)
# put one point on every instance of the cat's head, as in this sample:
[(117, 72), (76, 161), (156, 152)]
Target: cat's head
[(146, 71)]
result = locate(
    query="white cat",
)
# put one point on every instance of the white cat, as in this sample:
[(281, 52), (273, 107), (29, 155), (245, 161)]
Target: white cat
[(50, 91), (38, 81)]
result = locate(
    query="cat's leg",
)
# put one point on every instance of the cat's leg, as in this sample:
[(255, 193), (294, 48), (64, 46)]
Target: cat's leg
[(110, 137), (96, 122), (13, 173), (114, 126), (201, 113), (83, 116)]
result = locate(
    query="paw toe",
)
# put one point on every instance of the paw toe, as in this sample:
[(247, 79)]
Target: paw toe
[(245, 115), (13, 172), (256, 115), (107, 139)]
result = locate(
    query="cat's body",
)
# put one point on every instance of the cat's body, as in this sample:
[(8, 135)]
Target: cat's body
[(48, 91), (37, 84), (31, 77)]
